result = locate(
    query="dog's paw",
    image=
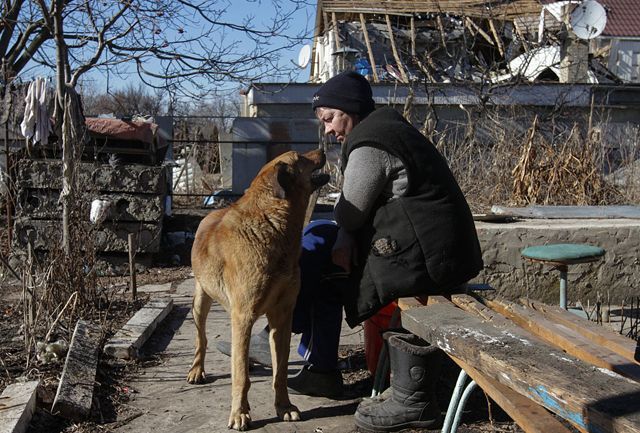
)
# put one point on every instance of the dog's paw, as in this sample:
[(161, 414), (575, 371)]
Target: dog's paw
[(288, 413), (239, 421), (196, 375)]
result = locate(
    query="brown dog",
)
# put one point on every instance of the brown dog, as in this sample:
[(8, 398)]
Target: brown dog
[(246, 258)]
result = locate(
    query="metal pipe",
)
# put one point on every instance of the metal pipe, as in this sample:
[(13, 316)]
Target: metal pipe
[(563, 286), (453, 403), (463, 402)]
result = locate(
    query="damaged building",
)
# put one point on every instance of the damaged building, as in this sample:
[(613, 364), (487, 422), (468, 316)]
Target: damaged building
[(476, 41)]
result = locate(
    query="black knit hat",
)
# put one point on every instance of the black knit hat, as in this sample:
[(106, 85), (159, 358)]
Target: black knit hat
[(348, 91)]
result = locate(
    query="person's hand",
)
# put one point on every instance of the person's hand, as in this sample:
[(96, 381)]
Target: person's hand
[(342, 257), (343, 253)]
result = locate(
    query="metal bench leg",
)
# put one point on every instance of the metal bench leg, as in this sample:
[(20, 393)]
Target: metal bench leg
[(453, 403), (563, 286), (463, 402)]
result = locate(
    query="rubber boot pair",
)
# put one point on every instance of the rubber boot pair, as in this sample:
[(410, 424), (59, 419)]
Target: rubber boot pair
[(415, 368), (259, 349)]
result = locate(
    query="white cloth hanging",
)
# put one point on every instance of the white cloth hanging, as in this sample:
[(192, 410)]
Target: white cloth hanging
[(36, 126)]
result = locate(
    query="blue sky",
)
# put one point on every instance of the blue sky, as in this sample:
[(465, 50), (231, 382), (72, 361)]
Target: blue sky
[(301, 24), (261, 12)]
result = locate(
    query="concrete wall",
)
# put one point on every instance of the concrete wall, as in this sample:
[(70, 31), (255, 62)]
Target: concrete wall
[(618, 274)]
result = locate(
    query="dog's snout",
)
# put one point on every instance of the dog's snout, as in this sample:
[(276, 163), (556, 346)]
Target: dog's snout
[(317, 156)]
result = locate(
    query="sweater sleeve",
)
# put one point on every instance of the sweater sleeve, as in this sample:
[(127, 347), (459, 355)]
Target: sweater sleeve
[(365, 178)]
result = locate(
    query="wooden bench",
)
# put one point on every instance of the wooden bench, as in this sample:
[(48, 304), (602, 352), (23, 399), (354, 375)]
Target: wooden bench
[(524, 361)]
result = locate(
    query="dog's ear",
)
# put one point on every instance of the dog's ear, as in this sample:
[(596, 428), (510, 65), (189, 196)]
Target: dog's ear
[(283, 180)]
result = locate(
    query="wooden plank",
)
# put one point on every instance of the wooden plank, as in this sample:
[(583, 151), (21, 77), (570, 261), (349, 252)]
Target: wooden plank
[(412, 27), (128, 340), (620, 344), (75, 391), (394, 49), (336, 30), (479, 30), (594, 399), (372, 60), (411, 302), (530, 416), (472, 305), (567, 339), (17, 405), (494, 32)]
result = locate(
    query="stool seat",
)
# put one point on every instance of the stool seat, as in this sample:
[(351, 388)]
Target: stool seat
[(560, 256), (563, 253)]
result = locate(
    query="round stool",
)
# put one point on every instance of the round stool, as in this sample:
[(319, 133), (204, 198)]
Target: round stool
[(560, 256)]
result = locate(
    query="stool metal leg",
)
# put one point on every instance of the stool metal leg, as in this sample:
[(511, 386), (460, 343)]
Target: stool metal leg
[(563, 286)]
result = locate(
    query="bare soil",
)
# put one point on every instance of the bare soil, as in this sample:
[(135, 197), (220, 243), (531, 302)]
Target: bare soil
[(110, 409)]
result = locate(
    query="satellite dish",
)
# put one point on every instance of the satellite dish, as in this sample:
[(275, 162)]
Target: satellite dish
[(588, 19), (304, 56)]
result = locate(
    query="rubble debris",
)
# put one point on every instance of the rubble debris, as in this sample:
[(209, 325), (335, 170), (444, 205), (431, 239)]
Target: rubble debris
[(75, 391), (17, 405)]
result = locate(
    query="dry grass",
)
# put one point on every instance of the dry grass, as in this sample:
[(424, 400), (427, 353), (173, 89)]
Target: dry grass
[(521, 158)]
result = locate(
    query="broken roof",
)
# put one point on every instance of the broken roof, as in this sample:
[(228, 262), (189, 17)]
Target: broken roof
[(500, 9)]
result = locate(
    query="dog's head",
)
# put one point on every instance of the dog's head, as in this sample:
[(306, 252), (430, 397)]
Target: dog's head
[(294, 174)]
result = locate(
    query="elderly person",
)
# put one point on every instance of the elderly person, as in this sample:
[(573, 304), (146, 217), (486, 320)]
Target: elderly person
[(403, 228)]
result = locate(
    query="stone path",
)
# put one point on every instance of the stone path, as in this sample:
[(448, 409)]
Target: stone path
[(167, 403)]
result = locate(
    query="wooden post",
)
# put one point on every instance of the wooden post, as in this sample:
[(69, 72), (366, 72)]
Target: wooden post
[(132, 265), (372, 60), (413, 36), (496, 37), (403, 75), (520, 35), (336, 31), (441, 29), (477, 28), (7, 166)]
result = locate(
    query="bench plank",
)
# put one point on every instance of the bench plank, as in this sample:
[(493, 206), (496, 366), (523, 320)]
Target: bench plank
[(566, 338), (620, 344), (530, 416), (592, 398)]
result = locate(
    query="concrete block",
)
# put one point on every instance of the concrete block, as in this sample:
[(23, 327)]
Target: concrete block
[(131, 178), (75, 391), (44, 204), (128, 340), (111, 237), (186, 287), (17, 405), (154, 288)]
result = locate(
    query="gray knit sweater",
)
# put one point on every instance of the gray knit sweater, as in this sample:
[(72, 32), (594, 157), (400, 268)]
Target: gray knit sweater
[(370, 174)]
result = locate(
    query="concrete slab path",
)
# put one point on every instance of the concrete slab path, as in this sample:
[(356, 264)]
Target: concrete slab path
[(167, 403)]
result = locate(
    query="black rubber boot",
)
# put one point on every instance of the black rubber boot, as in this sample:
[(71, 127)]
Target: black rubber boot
[(259, 349), (310, 381), (386, 393), (415, 368)]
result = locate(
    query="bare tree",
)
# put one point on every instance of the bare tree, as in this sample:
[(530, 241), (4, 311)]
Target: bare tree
[(183, 46), (129, 101)]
